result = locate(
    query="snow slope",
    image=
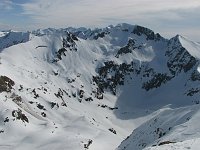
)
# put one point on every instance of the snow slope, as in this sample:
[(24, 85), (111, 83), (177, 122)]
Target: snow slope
[(89, 89), (192, 47)]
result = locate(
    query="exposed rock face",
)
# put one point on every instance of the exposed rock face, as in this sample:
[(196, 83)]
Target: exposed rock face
[(156, 81), (128, 48), (150, 35), (19, 115), (104, 81), (68, 43), (6, 84)]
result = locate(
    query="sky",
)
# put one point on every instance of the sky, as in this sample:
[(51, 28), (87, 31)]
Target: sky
[(168, 17)]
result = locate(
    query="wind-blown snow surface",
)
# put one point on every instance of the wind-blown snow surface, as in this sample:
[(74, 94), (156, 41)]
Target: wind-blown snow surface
[(89, 89)]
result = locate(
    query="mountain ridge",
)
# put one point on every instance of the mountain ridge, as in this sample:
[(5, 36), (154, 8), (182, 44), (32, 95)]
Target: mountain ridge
[(79, 88)]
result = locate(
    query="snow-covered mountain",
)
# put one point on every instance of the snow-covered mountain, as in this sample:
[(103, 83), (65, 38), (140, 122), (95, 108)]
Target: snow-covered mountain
[(122, 87)]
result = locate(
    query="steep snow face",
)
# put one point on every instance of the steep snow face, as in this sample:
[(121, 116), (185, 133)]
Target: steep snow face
[(79, 88), (192, 47)]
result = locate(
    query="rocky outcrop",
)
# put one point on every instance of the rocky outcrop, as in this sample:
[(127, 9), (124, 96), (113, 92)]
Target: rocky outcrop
[(68, 43), (107, 81), (131, 46), (150, 35), (6, 84)]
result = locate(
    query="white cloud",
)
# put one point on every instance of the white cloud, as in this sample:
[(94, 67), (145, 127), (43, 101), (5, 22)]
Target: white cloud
[(190, 33), (6, 5), (94, 13), (4, 26)]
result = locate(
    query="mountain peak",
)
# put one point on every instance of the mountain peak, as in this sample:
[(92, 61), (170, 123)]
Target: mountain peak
[(192, 47)]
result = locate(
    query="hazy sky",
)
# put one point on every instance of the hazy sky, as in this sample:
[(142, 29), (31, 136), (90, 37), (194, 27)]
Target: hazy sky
[(168, 17)]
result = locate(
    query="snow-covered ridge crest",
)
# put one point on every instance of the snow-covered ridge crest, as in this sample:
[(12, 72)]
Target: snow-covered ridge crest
[(192, 47)]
